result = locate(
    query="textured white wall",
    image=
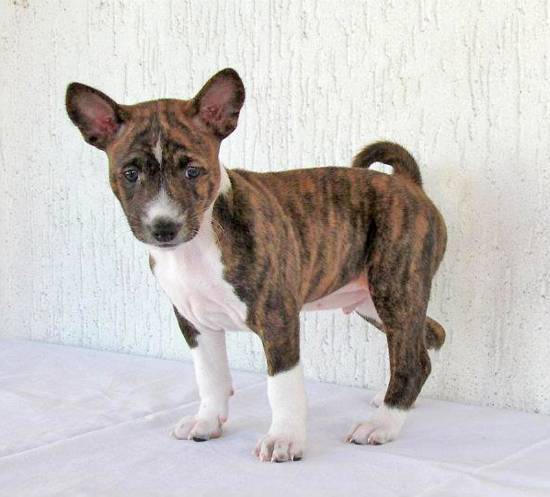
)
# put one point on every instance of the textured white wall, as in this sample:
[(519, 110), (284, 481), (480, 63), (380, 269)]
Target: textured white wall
[(464, 85)]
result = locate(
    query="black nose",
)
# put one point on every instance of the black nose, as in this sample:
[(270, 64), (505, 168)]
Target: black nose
[(164, 230)]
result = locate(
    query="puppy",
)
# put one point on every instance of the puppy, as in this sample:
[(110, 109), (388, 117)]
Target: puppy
[(237, 250)]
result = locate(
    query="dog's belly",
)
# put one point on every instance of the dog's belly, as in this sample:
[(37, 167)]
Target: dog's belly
[(355, 296)]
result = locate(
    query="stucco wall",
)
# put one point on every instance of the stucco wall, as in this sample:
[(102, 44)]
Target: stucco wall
[(464, 85)]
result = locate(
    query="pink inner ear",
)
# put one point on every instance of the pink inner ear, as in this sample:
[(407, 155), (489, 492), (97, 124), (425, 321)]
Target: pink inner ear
[(107, 126), (216, 101), (211, 113), (99, 115)]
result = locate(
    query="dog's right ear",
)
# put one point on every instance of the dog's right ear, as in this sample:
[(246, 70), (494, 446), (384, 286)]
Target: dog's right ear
[(98, 117)]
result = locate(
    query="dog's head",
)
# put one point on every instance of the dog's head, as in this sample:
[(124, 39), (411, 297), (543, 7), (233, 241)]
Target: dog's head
[(163, 154)]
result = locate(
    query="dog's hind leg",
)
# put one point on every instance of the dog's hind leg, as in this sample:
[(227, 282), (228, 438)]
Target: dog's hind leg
[(434, 336), (409, 369), (400, 269)]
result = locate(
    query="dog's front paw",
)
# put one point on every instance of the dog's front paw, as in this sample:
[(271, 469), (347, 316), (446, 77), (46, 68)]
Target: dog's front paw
[(280, 447), (382, 428), (198, 429)]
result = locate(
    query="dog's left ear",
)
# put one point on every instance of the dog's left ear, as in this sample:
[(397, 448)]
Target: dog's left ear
[(97, 116), (216, 107)]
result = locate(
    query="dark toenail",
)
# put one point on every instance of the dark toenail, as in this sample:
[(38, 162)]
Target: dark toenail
[(297, 459), (199, 439)]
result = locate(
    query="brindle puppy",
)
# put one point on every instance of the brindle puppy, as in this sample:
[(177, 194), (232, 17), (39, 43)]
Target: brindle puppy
[(240, 250)]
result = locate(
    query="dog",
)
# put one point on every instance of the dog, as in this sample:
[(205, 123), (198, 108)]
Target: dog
[(238, 250)]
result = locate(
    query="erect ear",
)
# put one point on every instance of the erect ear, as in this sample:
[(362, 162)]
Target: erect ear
[(97, 116), (216, 107)]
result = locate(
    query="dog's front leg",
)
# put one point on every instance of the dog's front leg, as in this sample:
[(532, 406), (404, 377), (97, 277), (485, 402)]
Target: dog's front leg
[(285, 389), (214, 383)]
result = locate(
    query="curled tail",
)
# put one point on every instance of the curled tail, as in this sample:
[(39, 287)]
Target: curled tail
[(435, 334), (395, 155)]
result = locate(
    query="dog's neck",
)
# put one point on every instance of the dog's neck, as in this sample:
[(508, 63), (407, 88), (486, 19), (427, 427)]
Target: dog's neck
[(225, 182)]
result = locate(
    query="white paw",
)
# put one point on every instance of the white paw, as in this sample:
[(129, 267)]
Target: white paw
[(378, 399), (280, 448), (383, 427), (198, 429)]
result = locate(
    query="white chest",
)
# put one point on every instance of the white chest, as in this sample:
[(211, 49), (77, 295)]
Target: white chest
[(192, 277)]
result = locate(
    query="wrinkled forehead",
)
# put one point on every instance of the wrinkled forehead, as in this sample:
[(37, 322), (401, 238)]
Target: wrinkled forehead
[(158, 126)]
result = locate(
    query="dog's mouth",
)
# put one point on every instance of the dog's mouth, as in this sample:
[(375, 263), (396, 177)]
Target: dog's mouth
[(166, 244), (170, 244)]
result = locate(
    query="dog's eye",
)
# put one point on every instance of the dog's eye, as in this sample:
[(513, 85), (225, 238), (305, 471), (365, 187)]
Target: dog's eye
[(131, 175), (192, 172), (184, 162)]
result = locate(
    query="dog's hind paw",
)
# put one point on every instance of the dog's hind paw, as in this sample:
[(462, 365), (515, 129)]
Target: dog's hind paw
[(384, 427), (199, 430)]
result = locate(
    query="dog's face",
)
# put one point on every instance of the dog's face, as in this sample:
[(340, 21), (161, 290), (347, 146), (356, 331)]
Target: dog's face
[(163, 154)]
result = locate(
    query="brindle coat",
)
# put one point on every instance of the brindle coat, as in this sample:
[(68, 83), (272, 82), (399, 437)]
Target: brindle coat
[(286, 238)]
